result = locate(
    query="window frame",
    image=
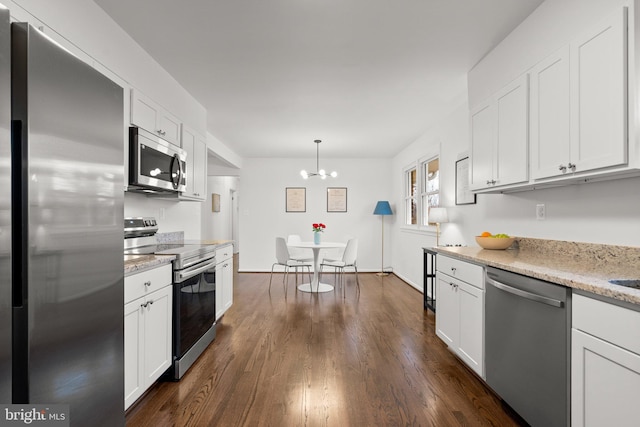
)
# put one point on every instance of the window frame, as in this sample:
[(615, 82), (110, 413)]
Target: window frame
[(424, 190), (421, 194), (409, 198)]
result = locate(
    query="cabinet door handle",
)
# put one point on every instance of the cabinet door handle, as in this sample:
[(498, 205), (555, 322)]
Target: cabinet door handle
[(147, 283), (562, 168), (572, 166), (144, 305), (453, 270)]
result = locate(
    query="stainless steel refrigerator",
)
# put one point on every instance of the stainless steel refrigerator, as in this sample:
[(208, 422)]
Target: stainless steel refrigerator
[(61, 216)]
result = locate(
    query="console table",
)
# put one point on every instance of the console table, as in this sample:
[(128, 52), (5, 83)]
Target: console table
[(429, 278)]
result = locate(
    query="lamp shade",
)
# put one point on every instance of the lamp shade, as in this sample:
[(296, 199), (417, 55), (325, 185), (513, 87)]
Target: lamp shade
[(382, 208), (438, 215)]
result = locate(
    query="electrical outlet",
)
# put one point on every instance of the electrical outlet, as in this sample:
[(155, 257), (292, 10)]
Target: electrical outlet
[(541, 213)]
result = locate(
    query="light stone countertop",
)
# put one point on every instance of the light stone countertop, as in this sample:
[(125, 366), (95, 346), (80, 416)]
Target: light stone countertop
[(583, 266), (138, 263)]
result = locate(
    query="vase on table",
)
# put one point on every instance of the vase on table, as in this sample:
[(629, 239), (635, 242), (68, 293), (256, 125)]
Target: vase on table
[(316, 238)]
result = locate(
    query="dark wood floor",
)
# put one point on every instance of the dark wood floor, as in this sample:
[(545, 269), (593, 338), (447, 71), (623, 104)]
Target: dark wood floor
[(299, 359)]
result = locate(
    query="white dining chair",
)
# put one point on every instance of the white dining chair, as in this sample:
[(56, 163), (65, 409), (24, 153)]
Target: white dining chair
[(298, 254), (348, 259), (284, 259)]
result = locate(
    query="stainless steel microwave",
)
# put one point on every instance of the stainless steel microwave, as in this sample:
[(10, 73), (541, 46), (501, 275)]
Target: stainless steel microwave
[(155, 165)]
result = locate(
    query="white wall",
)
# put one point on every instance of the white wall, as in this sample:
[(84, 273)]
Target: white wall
[(449, 138), (217, 225), (604, 212), (171, 214), (263, 216)]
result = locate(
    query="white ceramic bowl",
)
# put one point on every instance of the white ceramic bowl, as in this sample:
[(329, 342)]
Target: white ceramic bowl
[(495, 242)]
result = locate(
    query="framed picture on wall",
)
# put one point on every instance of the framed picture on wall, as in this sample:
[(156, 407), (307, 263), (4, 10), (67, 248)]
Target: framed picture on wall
[(336, 199), (464, 195), (296, 199), (215, 202)]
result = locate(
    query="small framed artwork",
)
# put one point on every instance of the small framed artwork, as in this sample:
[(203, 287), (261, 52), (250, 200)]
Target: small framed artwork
[(464, 195), (296, 199), (336, 199), (215, 202)]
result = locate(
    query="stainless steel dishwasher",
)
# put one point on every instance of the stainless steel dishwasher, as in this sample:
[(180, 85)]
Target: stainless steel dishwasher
[(527, 346)]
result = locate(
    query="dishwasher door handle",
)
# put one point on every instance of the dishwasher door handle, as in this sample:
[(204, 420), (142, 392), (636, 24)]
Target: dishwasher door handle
[(525, 294)]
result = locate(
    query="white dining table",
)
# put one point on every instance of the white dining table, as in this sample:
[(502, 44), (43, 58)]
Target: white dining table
[(315, 281)]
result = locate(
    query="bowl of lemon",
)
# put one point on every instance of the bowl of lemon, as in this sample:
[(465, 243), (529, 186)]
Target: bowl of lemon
[(498, 241)]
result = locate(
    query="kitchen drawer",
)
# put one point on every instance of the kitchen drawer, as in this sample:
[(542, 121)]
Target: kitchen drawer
[(141, 284), (617, 325), (462, 270), (224, 253)]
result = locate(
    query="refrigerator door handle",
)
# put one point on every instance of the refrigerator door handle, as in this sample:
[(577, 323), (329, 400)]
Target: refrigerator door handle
[(16, 212)]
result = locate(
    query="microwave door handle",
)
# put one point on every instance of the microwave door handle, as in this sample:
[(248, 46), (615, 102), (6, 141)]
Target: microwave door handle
[(175, 159), (180, 171)]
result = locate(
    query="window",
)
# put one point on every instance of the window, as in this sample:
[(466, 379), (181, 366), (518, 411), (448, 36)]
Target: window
[(422, 190), (430, 192), (411, 206)]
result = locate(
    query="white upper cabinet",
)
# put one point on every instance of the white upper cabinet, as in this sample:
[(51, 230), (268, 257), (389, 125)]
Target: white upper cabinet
[(483, 131), (550, 116), (150, 116), (599, 95), (579, 103), (512, 143), (578, 113), (499, 137), (196, 149)]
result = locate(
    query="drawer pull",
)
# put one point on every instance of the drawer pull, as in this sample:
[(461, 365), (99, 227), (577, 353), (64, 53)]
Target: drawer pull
[(147, 283)]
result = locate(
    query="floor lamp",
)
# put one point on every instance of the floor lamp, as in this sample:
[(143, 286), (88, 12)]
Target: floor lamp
[(382, 208)]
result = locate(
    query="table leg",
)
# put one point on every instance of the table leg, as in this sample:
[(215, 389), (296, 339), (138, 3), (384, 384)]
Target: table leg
[(315, 282)]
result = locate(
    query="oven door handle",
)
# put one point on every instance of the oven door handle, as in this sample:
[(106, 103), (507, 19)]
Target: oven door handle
[(525, 294), (187, 273)]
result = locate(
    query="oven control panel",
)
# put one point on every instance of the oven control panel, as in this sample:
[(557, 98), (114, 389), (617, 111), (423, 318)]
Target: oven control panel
[(140, 226)]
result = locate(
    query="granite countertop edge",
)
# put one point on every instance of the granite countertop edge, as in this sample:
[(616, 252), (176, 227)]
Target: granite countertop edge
[(568, 270), (134, 264), (138, 263)]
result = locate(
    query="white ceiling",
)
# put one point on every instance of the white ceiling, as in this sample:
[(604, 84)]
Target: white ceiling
[(367, 77)]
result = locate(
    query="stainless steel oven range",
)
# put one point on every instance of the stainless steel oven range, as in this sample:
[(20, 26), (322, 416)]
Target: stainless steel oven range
[(194, 290)]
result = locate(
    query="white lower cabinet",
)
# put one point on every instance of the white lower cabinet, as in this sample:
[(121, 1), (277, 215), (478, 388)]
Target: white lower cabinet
[(224, 280), (460, 309), (147, 331), (605, 364)]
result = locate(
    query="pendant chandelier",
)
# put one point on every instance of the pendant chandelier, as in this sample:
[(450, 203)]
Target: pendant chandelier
[(319, 172)]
